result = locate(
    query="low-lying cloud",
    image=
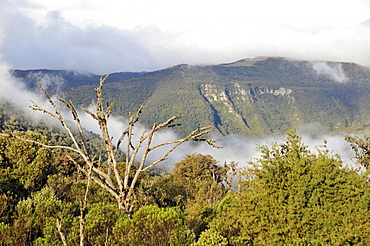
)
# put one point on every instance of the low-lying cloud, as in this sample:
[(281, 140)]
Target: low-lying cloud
[(333, 71)]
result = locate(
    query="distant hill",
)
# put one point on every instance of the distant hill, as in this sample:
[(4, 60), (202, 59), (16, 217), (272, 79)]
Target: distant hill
[(252, 97), (66, 78)]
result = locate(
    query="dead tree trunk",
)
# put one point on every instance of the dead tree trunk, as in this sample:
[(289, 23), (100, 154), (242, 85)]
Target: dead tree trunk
[(107, 175)]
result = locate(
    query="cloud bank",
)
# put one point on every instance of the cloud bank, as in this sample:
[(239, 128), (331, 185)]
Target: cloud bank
[(149, 35)]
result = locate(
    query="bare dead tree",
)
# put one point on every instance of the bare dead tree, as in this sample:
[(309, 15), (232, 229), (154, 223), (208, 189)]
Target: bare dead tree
[(120, 184)]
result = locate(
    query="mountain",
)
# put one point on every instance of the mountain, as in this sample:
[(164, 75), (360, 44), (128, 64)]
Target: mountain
[(54, 79), (252, 97)]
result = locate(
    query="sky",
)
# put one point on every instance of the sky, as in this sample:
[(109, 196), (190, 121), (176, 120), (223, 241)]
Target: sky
[(145, 35)]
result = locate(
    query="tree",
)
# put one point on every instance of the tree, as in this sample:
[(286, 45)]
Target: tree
[(23, 169), (199, 167), (31, 216), (211, 237), (198, 172), (105, 171), (25, 163), (149, 225), (292, 195), (100, 219), (204, 183)]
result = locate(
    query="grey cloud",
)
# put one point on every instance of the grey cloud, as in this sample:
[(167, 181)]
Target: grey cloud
[(47, 81), (61, 45), (58, 44)]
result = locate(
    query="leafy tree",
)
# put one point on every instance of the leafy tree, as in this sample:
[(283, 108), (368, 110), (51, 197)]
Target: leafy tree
[(292, 194), (199, 167), (165, 191), (211, 237), (5, 237), (149, 225), (200, 173), (31, 216), (100, 219), (24, 162), (205, 184), (24, 167)]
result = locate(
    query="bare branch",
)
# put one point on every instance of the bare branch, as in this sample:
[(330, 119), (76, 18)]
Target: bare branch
[(126, 131), (77, 119), (10, 135), (99, 181), (57, 115), (58, 224)]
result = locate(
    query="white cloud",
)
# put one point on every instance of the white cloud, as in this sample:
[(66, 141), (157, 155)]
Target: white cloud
[(332, 71), (108, 36), (172, 15)]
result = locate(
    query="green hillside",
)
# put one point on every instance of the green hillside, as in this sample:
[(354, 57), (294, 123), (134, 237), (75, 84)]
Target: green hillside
[(253, 97)]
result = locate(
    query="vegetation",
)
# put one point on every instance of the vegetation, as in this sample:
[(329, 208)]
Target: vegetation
[(64, 187), (289, 196), (292, 196)]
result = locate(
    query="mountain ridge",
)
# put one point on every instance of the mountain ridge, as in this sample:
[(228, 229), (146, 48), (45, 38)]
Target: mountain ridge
[(252, 97)]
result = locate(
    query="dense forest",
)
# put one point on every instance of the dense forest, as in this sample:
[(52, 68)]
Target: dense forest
[(72, 195)]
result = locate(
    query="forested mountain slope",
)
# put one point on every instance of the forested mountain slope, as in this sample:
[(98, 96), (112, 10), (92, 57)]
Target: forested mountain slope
[(253, 97)]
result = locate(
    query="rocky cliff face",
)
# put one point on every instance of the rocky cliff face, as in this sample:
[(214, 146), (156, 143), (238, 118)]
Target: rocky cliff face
[(212, 93), (241, 107)]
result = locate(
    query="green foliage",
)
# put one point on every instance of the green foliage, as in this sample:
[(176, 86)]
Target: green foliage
[(204, 183), (32, 214), (150, 225), (293, 194), (166, 192), (4, 233), (304, 242), (27, 163), (211, 237), (100, 219), (23, 169), (198, 167), (201, 175)]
